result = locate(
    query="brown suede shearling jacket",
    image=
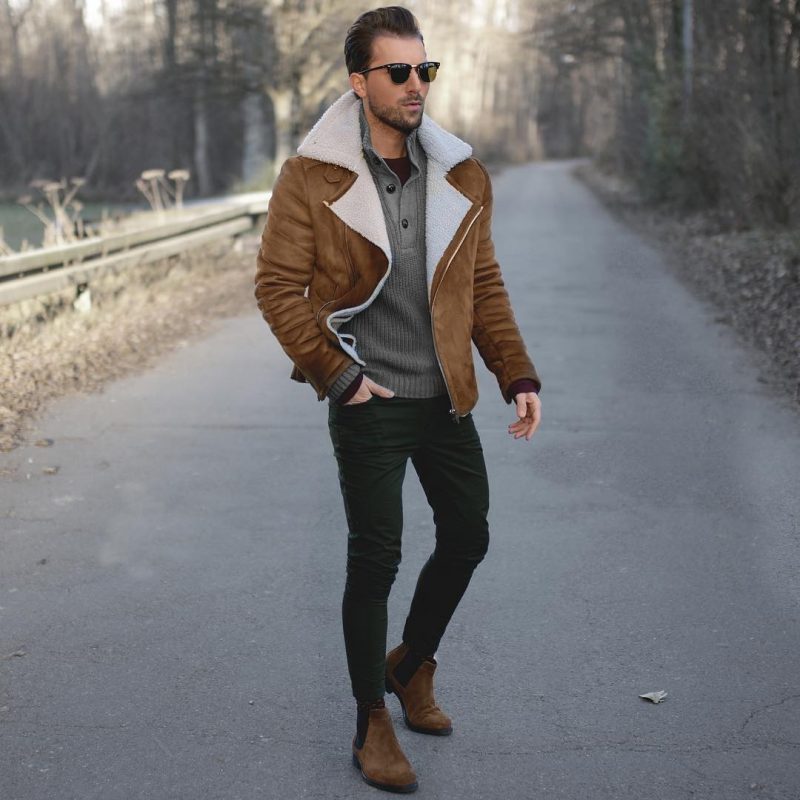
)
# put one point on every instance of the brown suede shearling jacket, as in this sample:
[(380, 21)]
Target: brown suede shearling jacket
[(325, 255)]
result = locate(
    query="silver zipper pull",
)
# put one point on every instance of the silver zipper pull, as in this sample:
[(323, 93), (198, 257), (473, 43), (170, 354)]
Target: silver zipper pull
[(454, 416)]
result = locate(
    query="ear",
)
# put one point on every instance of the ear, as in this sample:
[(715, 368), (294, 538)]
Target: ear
[(358, 83)]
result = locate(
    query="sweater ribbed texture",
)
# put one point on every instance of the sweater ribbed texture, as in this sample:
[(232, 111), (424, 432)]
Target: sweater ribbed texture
[(393, 334)]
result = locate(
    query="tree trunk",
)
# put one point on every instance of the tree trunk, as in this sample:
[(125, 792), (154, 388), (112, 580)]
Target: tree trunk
[(14, 21), (283, 103), (688, 58), (255, 134), (202, 164)]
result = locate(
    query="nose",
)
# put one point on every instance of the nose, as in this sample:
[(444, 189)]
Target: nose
[(414, 82)]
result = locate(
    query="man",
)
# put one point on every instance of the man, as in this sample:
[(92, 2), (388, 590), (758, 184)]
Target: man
[(376, 272)]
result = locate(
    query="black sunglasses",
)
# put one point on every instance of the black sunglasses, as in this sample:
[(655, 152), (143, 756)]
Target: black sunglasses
[(400, 73)]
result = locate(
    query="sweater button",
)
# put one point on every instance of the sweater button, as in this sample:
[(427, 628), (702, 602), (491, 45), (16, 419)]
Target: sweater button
[(404, 223), (390, 188)]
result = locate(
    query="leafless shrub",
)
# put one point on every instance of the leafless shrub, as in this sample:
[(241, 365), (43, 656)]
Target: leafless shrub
[(154, 185), (65, 225)]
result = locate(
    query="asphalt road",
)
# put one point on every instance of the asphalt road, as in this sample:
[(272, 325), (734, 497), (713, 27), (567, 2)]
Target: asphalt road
[(170, 621)]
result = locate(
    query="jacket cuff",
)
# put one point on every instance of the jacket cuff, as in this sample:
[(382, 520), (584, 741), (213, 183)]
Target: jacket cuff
[(523, 385), (346, 385)]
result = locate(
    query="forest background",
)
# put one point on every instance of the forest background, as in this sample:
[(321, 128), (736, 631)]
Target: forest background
[(696, 102)]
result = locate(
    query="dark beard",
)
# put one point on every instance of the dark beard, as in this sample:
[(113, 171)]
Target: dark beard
[(393, 118)]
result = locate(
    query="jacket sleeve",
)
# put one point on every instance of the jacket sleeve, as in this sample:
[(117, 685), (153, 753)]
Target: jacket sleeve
[(494, 329), (285, 266)]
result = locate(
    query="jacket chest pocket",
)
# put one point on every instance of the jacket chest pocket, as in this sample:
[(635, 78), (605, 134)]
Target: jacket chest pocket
[(321, 294), (332, 271), (348, 258)]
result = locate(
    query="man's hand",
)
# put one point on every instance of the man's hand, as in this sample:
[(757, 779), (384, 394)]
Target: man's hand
[(529, 411), (366, 390)]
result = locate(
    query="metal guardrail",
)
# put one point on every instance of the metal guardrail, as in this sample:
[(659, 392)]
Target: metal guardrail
[(38, 272)]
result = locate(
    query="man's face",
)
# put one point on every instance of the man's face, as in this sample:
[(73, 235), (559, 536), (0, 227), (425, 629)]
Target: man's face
[(398, 106)]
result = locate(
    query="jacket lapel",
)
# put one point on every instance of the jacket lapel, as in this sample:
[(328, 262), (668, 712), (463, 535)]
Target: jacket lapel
[(445, 205), (445, 209), (336, 139)]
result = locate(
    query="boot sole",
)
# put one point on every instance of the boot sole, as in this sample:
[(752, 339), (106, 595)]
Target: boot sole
[(387, 787), (409, 724)]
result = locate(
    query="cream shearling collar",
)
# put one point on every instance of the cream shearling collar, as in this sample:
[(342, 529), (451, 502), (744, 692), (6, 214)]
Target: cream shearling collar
[(336, 138)]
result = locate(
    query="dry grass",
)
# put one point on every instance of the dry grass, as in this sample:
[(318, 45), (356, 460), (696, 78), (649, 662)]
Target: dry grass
[(48, 349)]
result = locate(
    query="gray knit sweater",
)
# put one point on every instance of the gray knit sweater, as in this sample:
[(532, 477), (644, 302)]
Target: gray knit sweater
[(393, 334)]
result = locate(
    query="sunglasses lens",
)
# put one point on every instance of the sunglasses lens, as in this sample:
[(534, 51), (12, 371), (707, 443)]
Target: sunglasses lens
[(427, 71), (399, 72)]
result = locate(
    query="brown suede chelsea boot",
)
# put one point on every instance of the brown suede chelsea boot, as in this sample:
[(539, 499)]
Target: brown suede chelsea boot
[(415, 693), (380, 758)]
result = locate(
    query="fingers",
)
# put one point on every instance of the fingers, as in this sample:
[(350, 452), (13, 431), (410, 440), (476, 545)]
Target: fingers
[(525, 429), (357, 398), (365, 391), (521, 428), (376, 388), (361, 396), (529, 418)]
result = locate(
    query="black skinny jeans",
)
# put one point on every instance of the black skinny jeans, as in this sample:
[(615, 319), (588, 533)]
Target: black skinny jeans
[(372, 442)]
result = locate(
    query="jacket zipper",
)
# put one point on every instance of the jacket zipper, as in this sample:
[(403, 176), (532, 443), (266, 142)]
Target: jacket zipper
[(453, 413)]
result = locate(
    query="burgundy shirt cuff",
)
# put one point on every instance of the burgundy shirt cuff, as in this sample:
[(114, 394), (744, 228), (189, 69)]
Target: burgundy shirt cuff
[(348, 393), (523, 385)]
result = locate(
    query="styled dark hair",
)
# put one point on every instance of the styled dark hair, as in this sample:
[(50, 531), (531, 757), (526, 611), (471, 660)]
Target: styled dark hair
[(392, 20)]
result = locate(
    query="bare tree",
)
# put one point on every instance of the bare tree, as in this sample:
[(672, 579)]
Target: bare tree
[(706, 96), (699, 102)]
